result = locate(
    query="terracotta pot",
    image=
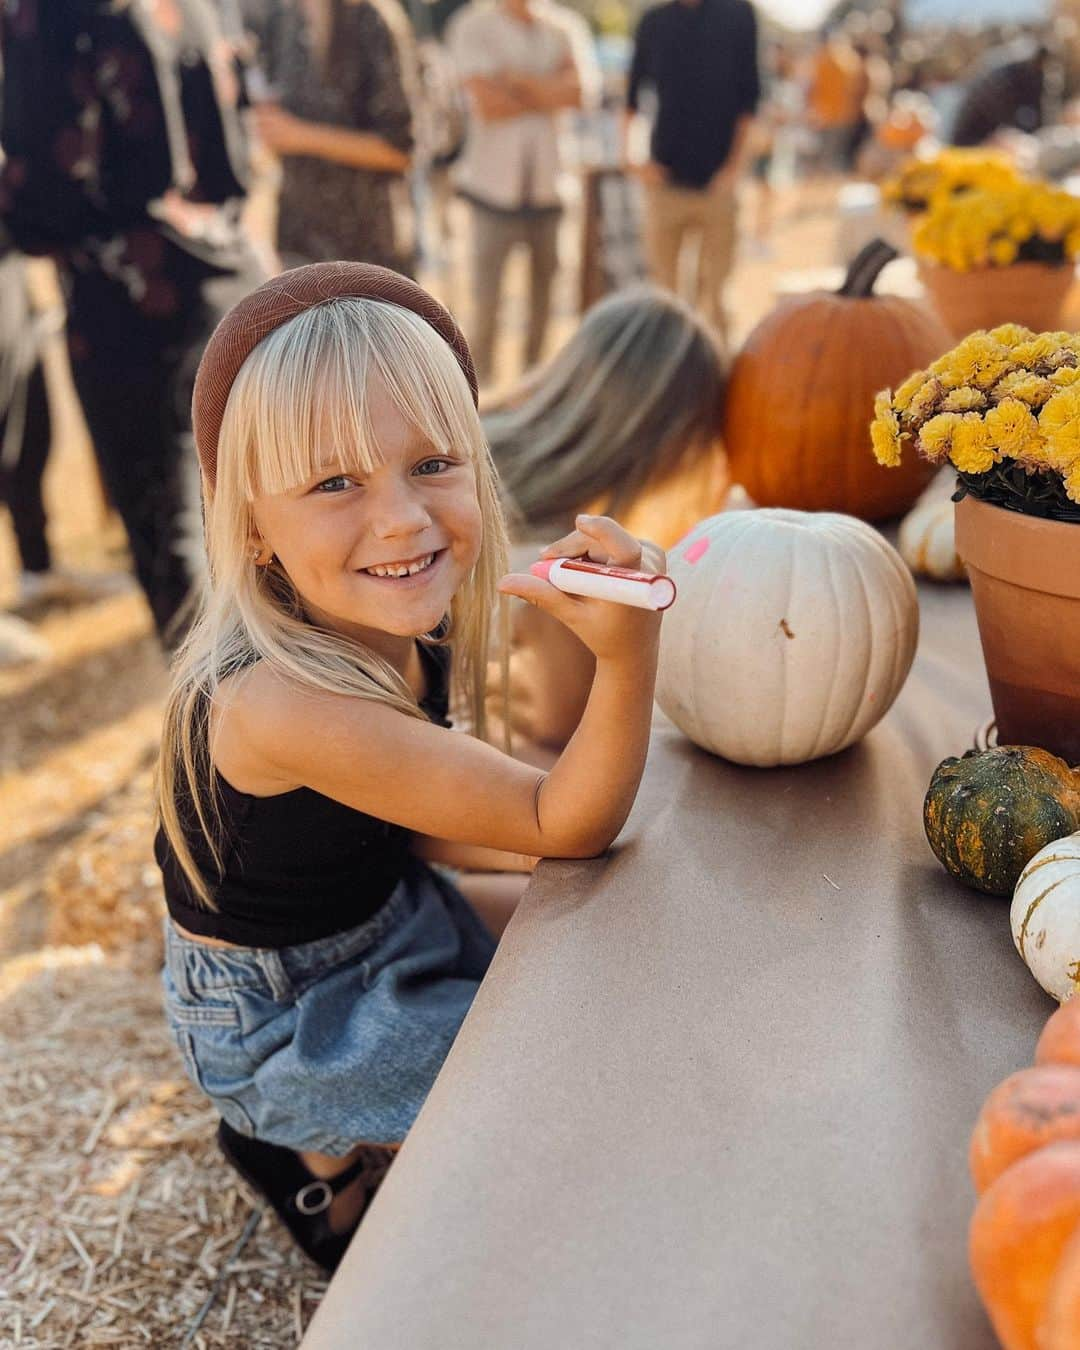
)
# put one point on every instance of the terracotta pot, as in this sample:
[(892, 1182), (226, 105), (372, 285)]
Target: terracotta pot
[(1030, 293), (1025, 577)]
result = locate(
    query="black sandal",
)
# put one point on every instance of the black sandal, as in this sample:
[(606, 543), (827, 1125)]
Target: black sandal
[(299, 1198)]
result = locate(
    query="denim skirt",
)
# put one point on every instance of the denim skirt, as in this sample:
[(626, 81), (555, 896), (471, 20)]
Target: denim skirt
[(330, 1043)]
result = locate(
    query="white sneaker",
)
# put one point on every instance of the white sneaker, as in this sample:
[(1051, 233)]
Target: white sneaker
[(19, 643), (65, 586)]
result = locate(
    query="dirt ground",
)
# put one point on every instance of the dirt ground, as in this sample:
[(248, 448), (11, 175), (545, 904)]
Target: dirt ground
[(118, 1221)]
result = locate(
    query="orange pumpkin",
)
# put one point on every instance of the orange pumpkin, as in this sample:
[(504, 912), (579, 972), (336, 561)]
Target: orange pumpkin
[(1019, 1233), (800, 397), (1029, 1110), (1024, 1243), (1061, 1316), (1060, 1039)]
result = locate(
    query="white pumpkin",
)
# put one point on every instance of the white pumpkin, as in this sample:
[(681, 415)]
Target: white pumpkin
[(792, 634), (1046, 917), (928, 533)]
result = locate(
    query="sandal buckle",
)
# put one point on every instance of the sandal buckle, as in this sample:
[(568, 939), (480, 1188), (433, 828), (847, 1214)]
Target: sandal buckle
[(314, 1197)]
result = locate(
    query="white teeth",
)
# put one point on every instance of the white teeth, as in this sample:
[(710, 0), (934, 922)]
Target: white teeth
[(402, 569)]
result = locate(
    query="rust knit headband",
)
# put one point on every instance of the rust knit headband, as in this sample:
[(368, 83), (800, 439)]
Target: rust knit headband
[(276, 302)]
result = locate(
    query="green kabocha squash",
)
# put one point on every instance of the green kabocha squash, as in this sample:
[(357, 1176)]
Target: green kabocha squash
[(988, 813)]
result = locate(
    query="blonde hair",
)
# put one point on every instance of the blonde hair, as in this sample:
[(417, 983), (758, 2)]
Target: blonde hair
[(305, 386), (633, 397)]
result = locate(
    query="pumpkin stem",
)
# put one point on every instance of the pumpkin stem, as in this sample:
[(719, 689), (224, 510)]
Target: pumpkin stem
[(864, 270)]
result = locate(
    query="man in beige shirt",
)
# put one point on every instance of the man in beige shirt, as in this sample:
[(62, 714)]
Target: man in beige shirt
[(522, 63)]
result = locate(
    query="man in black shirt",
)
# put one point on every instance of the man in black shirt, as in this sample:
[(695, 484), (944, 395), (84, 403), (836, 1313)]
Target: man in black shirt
[(698, 59)]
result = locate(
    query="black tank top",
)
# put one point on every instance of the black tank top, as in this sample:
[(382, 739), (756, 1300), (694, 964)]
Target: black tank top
[(297, 866)]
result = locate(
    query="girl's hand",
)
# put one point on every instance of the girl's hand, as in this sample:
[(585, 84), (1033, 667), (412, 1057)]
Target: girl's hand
[(610, 631), (603, 540)]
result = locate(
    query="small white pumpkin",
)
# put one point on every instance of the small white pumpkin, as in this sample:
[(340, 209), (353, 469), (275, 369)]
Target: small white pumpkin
[(928, 533), (1046, 917), (793, 633)]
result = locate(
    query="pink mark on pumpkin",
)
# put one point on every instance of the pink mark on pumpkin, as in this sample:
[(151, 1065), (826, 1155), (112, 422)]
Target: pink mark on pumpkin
[(697, 550)]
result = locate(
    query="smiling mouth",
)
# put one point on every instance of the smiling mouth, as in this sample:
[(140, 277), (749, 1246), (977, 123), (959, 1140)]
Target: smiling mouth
[(397, 571)]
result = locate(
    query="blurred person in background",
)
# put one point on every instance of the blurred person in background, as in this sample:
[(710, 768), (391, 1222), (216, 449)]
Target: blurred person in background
[(25, 426), (126, 174), (697, 63), (626, 419), (522, 63), (839, 85), (339, 79), (1018, 85)]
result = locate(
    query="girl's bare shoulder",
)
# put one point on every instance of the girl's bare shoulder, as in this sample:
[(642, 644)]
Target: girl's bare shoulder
[(249, 712)]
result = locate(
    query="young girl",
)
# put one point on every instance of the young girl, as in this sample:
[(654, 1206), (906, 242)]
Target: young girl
[(625, 419), (317, 970)]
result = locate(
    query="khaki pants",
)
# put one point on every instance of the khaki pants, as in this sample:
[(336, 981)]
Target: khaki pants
[(494, 234), (674, 215)]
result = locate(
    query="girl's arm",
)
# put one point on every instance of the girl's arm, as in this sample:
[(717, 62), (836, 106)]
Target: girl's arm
[(437, 782), (470, 857), (551, 674)]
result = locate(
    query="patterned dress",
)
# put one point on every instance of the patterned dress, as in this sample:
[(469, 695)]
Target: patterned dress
[(329, 211)]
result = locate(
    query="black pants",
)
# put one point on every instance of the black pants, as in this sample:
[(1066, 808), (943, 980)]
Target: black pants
[(22, 468), (134, 375)]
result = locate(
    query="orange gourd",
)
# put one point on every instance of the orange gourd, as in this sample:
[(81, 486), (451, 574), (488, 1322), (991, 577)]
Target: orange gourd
[(1033, 1108), (1024, 1242), (1061, 1316), (800, 397), (1018, 1235), (1060, 1039)]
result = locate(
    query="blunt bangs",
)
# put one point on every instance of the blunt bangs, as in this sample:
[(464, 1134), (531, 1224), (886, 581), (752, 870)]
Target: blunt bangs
[(300, 404)]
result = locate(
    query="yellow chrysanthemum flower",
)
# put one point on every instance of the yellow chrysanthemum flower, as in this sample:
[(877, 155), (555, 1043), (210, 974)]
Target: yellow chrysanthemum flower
[(953, 169), (1059, 423), (935, 438), (972, 451), (990, 221), (1063, 377), (988, 375), (901, 400), (1012, 428), (1036, 351), (969, 360), (885, 431), (964, 399), (1033, 390), (1036, 456), (1009, 334), (926, 401)]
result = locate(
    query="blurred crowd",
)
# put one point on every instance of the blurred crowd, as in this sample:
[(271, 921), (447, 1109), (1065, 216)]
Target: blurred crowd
[(376, 130)]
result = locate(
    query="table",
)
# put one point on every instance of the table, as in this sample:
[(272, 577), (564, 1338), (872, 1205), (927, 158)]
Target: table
[(716, 1090)]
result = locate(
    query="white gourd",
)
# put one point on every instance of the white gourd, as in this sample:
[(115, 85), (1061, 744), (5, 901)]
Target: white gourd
[(1046, 917), (927, 540), (792, 634)]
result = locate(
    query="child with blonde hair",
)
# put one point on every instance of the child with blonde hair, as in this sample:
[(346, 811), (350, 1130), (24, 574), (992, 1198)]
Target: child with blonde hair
[(317, 967)]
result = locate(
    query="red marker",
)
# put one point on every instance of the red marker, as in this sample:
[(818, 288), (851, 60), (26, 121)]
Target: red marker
[(597, 581)]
